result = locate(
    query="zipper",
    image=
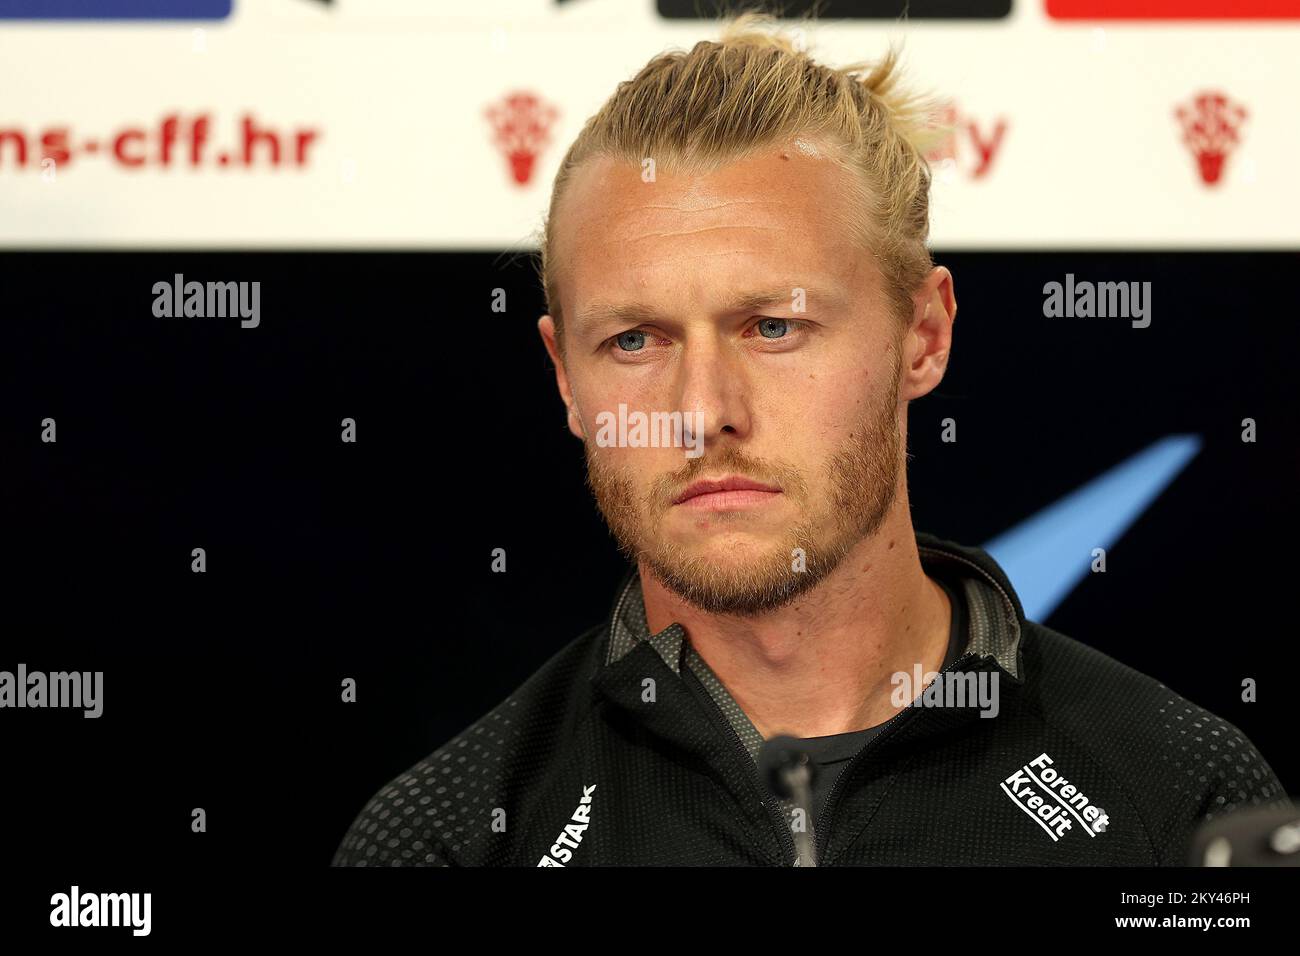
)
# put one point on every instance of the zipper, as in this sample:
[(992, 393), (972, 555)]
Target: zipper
[(769, 802), (832, 798)]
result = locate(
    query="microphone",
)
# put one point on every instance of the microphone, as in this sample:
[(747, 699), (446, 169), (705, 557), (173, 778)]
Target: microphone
[(1264, 836), (788, 770)]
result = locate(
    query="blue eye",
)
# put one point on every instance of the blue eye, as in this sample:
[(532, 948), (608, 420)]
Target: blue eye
[(773, 328), (632, 341)]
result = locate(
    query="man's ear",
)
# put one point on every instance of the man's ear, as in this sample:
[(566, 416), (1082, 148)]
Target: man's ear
[(546, 326), (929, 337)]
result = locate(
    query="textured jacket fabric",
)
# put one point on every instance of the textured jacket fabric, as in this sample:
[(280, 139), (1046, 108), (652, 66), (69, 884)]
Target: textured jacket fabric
[(625, 749)]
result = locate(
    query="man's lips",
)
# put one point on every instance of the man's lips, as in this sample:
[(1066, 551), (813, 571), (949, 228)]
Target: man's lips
[(729, 491)]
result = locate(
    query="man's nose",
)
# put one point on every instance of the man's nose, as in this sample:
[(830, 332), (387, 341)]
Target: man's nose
[(713, 392)]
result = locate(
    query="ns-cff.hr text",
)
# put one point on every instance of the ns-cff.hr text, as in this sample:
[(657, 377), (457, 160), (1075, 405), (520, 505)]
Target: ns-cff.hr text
[(175, 140)]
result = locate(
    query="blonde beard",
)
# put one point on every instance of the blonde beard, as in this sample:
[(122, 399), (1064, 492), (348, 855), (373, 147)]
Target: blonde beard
[(863, 481)]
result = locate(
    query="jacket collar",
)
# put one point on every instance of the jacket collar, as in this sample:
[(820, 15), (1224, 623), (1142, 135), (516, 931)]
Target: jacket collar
[(996, 617)]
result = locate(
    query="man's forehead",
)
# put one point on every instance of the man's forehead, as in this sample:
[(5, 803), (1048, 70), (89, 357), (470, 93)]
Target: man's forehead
[(776, 180), (777, 218)]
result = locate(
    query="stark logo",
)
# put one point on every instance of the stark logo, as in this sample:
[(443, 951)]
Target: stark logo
[(1053, 802), (562, 851)]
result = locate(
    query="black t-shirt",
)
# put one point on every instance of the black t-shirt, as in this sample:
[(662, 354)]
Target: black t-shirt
[(832, 753)]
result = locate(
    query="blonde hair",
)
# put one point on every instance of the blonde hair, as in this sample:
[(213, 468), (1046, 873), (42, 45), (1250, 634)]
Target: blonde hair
[(753, 88)]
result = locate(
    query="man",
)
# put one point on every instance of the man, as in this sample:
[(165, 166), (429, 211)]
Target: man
[(736, 251)]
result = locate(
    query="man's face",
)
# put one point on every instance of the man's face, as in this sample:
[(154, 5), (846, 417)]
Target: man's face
[(741, 300)]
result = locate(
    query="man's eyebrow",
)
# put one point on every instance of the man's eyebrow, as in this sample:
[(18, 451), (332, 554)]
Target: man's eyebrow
[(606, 313)]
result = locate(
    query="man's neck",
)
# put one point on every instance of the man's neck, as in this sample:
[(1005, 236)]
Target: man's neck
[(823, 664)]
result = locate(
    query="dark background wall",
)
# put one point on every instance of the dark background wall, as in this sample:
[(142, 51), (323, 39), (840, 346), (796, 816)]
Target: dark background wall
[(372, 560)]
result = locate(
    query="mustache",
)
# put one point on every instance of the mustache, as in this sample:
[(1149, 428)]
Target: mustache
[(729, 460)]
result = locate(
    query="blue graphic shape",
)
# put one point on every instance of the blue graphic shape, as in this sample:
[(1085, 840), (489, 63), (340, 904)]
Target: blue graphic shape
[(115, 9), (1050, 552)]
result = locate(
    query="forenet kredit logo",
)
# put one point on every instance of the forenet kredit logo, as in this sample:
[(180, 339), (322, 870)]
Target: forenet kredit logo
[(1053, 802)]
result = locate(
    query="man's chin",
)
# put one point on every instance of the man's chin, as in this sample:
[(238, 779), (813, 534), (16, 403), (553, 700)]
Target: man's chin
[(735, 549), (738, 598), (738, 580)]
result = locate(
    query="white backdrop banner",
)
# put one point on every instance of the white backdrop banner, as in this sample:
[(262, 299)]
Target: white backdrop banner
[(440, 123)]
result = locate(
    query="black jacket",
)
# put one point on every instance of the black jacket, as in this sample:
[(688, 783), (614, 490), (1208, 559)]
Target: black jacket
[(622, 750)]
